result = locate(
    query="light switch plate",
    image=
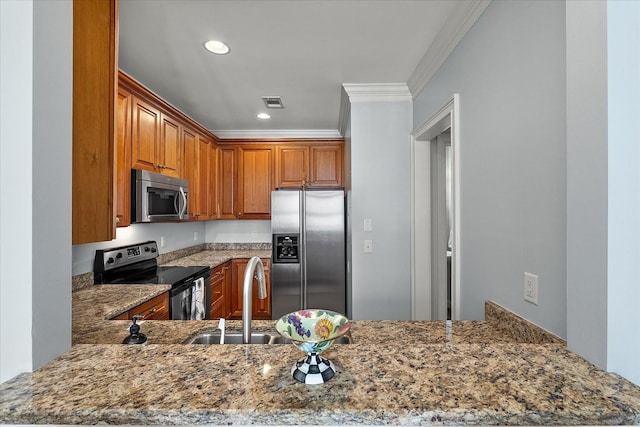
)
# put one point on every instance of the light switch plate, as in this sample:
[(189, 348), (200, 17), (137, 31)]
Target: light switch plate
[(368, 246), (367, 226)]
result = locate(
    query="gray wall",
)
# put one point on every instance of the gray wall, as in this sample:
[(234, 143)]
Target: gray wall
[(587, 180), (380, 158), (52, 144), (35, 184), (509, 72), (603, 184), (177, 236), (623, 41), (16, 105)]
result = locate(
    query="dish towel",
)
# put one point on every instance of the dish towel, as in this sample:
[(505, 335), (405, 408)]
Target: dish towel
[(197, 301)]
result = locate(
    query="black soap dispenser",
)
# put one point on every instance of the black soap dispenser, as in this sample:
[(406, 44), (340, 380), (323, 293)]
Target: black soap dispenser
[(135, 336)]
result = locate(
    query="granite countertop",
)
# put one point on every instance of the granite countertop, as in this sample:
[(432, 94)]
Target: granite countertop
[(215, 258), (392, 383), (393, 372)]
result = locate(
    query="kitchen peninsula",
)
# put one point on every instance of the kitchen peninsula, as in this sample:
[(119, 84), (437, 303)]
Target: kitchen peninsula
[(499, 371)]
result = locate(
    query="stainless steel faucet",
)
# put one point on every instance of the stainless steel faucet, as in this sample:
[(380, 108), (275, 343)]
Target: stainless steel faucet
[(254, 268)]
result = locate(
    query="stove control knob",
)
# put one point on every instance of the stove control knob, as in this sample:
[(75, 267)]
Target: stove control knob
[(110, 260), (119, 255), (147, 248), (153, 250)]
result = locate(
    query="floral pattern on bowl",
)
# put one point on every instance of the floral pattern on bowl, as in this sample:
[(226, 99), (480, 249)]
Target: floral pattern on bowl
[(313, 330)]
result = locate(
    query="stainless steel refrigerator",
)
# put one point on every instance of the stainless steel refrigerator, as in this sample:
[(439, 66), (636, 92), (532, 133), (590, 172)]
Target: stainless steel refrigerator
[(308, 260)]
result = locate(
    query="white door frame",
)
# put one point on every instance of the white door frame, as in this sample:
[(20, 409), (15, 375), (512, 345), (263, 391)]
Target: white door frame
[(445, 116)]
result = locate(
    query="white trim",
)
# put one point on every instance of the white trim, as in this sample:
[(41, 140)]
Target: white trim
[(424, 133), (377, 92), (455, 28), (278, 133)]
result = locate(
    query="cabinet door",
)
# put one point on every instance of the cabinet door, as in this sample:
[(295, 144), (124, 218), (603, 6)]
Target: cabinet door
[(123, 158), (228, 284), (145, 137), (204, 180), (227, 180), (156, 308), (255, 182), (326, 166), (218, 296), (291, 166), (212, 192), (95, 65), (260, 308), (170, 148), (191, 169)]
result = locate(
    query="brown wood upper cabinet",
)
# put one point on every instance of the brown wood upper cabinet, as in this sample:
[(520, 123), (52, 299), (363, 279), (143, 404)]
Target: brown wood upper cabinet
[(312, 165), (227, 178), (200, 155), (155, 141), (255, 181), (206, 189), (123, 157), (95, 65)]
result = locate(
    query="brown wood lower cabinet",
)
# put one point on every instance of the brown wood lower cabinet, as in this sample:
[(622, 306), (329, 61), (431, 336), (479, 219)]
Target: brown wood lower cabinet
[(221, 291), (260, 308), (157, 308)]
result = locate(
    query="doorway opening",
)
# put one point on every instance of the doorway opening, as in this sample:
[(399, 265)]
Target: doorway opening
[(435, 219)]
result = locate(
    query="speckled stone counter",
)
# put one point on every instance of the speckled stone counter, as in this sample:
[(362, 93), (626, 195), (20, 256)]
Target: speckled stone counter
[(394, 372), (215, 258), (93, 306), (393, 383)]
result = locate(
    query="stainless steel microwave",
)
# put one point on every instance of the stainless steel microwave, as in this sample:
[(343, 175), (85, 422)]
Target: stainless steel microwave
[(156, 197)]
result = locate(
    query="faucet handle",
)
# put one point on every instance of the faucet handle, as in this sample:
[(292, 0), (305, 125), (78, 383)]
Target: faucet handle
[(221, 324)]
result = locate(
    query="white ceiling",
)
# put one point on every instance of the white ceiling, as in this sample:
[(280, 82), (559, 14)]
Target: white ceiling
[(300, 50)]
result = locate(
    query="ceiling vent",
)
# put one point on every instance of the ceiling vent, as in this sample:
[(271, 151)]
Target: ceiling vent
[(272, 101)]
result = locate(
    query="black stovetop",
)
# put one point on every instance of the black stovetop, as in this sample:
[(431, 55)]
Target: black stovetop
[(161, 275)]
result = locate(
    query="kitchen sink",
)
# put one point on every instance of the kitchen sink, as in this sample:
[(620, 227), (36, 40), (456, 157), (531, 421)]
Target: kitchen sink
[(256, 338)]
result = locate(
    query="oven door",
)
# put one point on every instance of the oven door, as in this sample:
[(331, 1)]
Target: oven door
[(180, 302), (191, 299)]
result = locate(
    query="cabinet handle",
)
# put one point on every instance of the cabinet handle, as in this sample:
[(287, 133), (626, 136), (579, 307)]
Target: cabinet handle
[(117, 219)]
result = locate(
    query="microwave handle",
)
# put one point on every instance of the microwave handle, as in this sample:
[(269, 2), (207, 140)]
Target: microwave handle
[(184, 203)]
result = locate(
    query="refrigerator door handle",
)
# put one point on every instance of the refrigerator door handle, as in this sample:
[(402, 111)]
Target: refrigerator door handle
[(303, 250)]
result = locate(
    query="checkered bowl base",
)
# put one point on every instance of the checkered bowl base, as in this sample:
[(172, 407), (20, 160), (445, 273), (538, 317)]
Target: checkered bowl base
[(313, 369)]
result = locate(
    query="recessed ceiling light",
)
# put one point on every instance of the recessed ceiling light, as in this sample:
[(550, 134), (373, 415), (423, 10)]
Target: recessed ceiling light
[(217, 47), (263, 116)]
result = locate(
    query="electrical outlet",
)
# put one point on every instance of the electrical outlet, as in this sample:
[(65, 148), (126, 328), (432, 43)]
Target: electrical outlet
[(163, 241), (368, 246), (531, 288)]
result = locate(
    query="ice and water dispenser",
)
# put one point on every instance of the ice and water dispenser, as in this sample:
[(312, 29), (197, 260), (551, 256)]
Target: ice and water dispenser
[(285, 248)]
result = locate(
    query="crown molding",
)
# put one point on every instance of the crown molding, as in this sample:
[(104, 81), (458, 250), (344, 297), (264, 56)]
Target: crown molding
[(377, 92), (366, 92), (455, 28), (278, 133)]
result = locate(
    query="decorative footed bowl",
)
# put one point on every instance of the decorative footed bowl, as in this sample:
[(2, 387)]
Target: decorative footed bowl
[(313, 331)]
